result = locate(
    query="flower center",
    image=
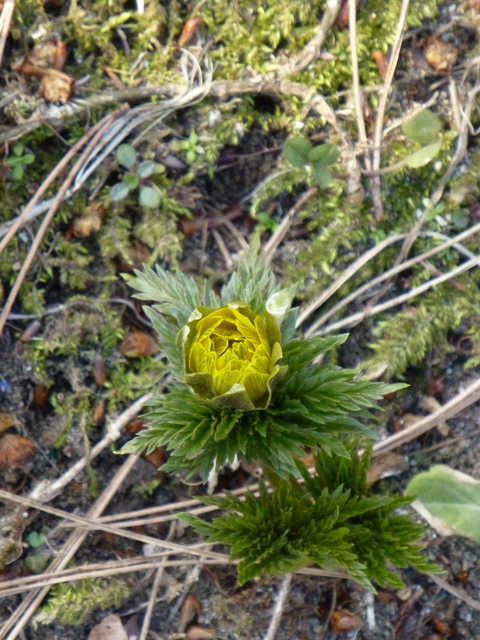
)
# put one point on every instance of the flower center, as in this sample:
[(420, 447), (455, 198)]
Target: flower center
[(234, 349)]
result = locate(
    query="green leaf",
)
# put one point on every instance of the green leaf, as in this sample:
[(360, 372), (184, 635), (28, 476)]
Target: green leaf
[(28, 158), (424, 127), (324, 154), (423, 156), (150, 197), (126, 156), (119, 191), (297, 150), (322, 175), (35, 539), (146, 169), (449, 500), (18, 172), (131, 180), (17, 149)]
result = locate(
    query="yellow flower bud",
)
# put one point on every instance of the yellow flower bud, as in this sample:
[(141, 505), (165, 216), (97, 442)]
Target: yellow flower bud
[(230, 356)]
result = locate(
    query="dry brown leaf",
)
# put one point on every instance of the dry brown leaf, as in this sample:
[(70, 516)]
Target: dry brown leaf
[(441, 55), (384, 466), (137, 343), (40, 395), (88, 224), (134, 426), (191, 607), (432, 404), (56, 86), (189, 30), (110, 628), (49, 54), (31, 331), (15, 451), (344, 621), (99, 413), (381, 62), (99, 371), (196, 632), (157, 457), (6, 421)]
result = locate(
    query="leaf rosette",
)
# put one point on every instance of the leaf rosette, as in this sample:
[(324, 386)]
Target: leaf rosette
[(231, 355)]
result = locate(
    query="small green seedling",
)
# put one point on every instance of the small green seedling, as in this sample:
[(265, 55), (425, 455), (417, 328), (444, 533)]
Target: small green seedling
[(192, 148), (19, 159), (137, 177), (301, 153)]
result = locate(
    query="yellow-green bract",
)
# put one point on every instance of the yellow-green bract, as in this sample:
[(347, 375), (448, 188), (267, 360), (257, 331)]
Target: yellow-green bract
[(231, 355)]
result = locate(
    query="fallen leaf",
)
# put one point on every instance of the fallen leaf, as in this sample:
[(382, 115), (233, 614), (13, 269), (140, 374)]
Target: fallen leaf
[(441, 55), (431, 404), (189, 30), (344, 621), (99, 413), (99, 371), (15, 451), (137, 343), (384, 466), (381, 62), (134, 426), (191, 607), (40, 395), (195, 632), (90, 222), (49, 54), (449, 500), (31, 331), (6, 421), (56, 86), (157, 457), (110, 628)]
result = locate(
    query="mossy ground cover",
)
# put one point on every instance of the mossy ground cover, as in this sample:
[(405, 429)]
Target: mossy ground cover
[(219, 162)]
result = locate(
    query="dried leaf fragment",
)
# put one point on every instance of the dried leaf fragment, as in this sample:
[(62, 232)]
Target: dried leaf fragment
[(191, 607), (196, 632), (137, 344), (6, 421), (15, 451), (440, 55), (89, 224), (189, 30), (56, 86), (381, 62), (110, 628), (344, 621), (99, 371)]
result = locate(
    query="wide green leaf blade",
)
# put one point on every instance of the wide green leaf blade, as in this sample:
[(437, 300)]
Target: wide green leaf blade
[(423, 156), (449, 500), (297, 150), (424, 127)]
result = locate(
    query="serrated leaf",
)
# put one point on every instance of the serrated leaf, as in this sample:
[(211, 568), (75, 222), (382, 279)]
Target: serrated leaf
[(150, 197), (146, 169), (119, 191), (449, 500), (322, 175), (423, 156), (424, 127), (324, 154), (297, 150), (126, 156)]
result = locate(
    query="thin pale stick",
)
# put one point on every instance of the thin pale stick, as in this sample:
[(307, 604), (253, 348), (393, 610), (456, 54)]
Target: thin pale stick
[(362, 132), (279, 607), (21, 616), (85, 522), (312, 50), (346, 275), (378, 137), (458, 593), (5, 19), (281, 230), (452, 242), (450, 409), (155, 587), (355, 318), (48, 218)]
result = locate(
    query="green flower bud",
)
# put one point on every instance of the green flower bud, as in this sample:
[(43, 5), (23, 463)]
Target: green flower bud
[(231, 355)]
